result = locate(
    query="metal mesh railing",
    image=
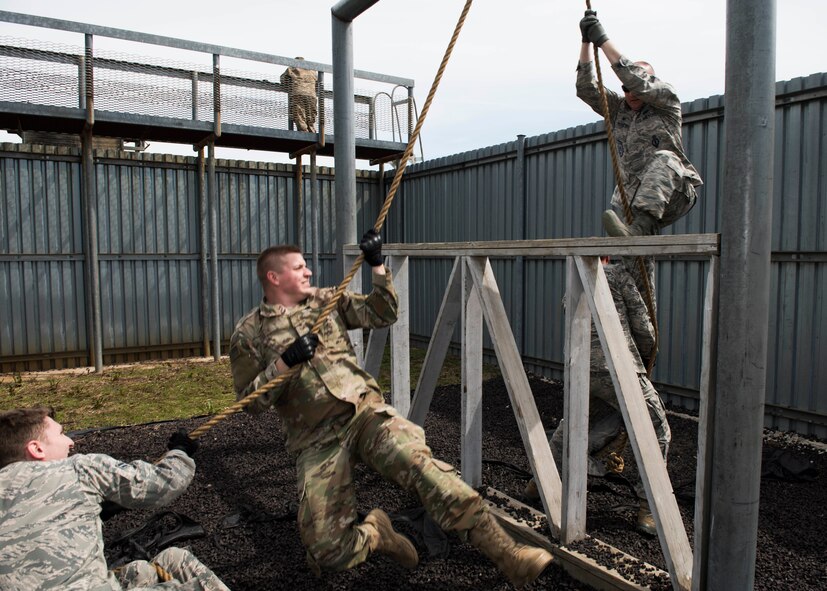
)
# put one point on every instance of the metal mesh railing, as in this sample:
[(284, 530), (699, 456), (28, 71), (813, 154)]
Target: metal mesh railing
[(53, 75)]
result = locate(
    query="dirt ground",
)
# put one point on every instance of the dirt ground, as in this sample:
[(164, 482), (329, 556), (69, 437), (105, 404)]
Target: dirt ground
[(244, 496)]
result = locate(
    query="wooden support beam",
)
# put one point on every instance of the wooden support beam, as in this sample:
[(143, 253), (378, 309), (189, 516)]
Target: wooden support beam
[(674, 541), (377, 339), (519, 391), (576, 380), (471, 383), (679, 245), (401, 339), (449, 313), (709, 357)]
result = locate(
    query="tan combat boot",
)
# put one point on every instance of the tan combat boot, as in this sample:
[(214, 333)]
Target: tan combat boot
[(645, 521), (531, 492), (521, 564), (644, 225), (383, 539)]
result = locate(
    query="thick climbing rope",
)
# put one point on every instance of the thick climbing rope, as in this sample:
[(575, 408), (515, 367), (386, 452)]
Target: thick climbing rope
[(383, 213), (627, 208), (163, 575)]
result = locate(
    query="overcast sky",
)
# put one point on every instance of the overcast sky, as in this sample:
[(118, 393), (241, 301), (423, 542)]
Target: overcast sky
[(512, 71)]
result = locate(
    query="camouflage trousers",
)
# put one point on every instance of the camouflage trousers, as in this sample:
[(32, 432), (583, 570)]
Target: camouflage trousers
[(642, 276), (188, 573), (395, 448), (662, 190), (606, 421), (303, 112)]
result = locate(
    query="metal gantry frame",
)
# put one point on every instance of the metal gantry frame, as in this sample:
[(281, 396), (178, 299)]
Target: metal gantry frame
[(730, 448)]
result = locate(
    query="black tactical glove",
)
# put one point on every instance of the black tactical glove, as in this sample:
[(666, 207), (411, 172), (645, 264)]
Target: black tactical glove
[(301, 350), (371, 245), (587, 21), (109, 509), (180, 440), (596, 32)]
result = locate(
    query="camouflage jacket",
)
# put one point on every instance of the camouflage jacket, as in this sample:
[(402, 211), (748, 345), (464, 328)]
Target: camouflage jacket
[(634, 318), (300, 81), (329, 386), (50, 533), (639, 134)]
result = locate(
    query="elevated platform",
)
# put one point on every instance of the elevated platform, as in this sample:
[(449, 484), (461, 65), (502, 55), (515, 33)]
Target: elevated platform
[(16, 117), (194, 93)]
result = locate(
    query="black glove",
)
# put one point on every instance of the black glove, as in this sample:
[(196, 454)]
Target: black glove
[(109, 509), (596, 32), (301, 350), (371, 245), (180, 440), (586, 22)]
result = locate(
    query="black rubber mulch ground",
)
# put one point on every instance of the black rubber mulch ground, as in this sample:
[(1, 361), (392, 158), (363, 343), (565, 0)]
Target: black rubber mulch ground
[(242, 464)]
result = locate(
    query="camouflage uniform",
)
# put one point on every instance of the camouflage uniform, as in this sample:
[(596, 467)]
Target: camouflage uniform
[(178, 563), (333, 415), (301, 97), (656, 174), (50, 531), (605, 420)]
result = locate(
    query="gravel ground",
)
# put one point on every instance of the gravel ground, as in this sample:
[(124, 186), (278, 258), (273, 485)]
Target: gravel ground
[(244, 469)]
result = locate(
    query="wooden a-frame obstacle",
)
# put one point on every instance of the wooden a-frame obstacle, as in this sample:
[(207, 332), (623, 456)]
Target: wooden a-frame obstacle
[(472, 298)]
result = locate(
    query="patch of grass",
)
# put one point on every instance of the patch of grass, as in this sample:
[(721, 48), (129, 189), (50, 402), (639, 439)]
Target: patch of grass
[(158, 391), (127, 395)]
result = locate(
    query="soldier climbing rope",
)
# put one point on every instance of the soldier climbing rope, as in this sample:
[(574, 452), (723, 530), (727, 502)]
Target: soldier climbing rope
[(649, 294)]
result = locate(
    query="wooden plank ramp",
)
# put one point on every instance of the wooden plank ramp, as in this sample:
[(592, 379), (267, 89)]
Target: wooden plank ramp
[(526, 524)]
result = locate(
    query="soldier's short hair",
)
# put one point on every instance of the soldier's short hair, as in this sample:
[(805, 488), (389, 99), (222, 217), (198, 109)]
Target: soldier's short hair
[(646, 66), (17, 428), (270, 259)]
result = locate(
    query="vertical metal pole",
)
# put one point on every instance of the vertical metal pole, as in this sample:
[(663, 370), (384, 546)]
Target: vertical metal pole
[(92, 262), (519, 215), (216, 295), (744, 296), (299, 226), (314, 212), (203, 212), (90, 198), (344, 140)]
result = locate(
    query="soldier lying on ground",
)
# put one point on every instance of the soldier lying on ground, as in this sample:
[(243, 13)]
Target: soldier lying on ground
[(333, 415), (50, 527)]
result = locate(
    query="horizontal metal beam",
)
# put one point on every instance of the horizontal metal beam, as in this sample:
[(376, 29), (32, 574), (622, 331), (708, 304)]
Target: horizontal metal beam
[(347, 10), (87, 29)]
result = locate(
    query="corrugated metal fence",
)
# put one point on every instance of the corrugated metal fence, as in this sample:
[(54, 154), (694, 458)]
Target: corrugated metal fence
[(557, 185), (149, 222), (550, 186)]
